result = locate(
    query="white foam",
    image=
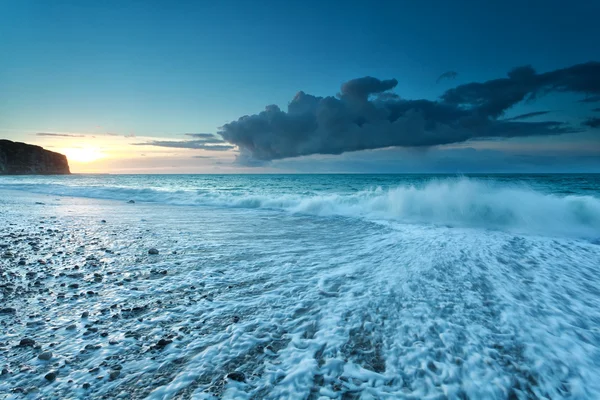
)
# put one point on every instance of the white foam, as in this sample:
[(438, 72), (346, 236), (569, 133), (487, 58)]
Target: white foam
[(460, 202), (327, 306)]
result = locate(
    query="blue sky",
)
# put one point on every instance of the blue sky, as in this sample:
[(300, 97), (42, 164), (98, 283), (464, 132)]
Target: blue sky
[(159, 69)]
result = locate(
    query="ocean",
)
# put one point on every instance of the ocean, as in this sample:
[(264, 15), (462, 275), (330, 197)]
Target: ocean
[(301, 286)]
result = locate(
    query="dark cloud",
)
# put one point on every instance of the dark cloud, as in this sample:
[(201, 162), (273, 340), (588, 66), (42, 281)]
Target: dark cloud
[(361, 88), (58, 135), (527, 115), (446, 75), (187, 144), (200, 135), (205, 141), (211, 140), (494, 97), (592, 122), (366, 115)]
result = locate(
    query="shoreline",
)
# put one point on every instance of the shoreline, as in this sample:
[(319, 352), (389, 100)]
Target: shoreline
[(253, 303)]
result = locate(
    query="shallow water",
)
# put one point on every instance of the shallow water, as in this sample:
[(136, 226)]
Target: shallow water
[(357, 288)]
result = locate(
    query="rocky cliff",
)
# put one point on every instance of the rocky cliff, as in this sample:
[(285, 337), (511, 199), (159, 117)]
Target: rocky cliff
[(21, 158)]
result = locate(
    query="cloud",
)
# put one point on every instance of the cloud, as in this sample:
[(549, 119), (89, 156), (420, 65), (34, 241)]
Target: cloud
[(361, 88), (367, 115), (205, 141), (593, 122), (494, 97), (200, 135), (527, 115), (447, 75), (213, 140), (188, 144), (58, 135)]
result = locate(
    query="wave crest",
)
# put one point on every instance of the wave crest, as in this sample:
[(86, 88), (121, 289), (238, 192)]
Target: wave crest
[(460, 202)]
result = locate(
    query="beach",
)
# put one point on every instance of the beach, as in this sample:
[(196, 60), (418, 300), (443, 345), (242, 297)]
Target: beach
[(291, 298)]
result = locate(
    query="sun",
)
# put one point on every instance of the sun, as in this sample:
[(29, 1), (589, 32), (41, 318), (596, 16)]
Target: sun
[(82, 154)]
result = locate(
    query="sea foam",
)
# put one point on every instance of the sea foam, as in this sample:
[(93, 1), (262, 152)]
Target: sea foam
[(462, 202)]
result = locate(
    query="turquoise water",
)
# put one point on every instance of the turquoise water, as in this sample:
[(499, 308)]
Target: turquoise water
[(312, 286), (555, 204)]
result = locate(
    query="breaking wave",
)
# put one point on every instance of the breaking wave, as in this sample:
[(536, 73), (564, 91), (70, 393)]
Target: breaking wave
[(461, 202)]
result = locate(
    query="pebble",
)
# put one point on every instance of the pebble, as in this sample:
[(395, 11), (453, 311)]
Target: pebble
[(50, 376), (86, 386), (153, 251), (85, 314), (22, 262), (163, 343), (131, 202), (103, 221), (114, 375), (71, 327), (45, 356), (237, 376), (7, 310), (26, 342)]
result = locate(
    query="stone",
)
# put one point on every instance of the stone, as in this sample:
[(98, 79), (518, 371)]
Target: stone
[(86, 386), (85, 314), (27, 342), (236, 376), (71, 327), (114, 375), (22, 262), (7, 310), (163, 343), (45, 356), (153, 251), (131, 202), (50, 376)]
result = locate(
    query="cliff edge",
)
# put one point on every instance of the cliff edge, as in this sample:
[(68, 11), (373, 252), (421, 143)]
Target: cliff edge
[(20, 159)]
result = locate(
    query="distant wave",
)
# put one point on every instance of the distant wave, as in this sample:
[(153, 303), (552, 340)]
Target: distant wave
[(457, 202)]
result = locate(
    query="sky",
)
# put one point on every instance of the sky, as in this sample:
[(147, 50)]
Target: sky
[(304, 86)]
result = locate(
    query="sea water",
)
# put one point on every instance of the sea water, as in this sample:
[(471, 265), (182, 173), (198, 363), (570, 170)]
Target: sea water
[(311, 286)]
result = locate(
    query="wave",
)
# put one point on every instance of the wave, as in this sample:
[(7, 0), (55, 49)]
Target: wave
[(460, 202)]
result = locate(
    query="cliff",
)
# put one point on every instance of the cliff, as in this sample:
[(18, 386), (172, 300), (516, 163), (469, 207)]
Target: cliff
[(21, 158)]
